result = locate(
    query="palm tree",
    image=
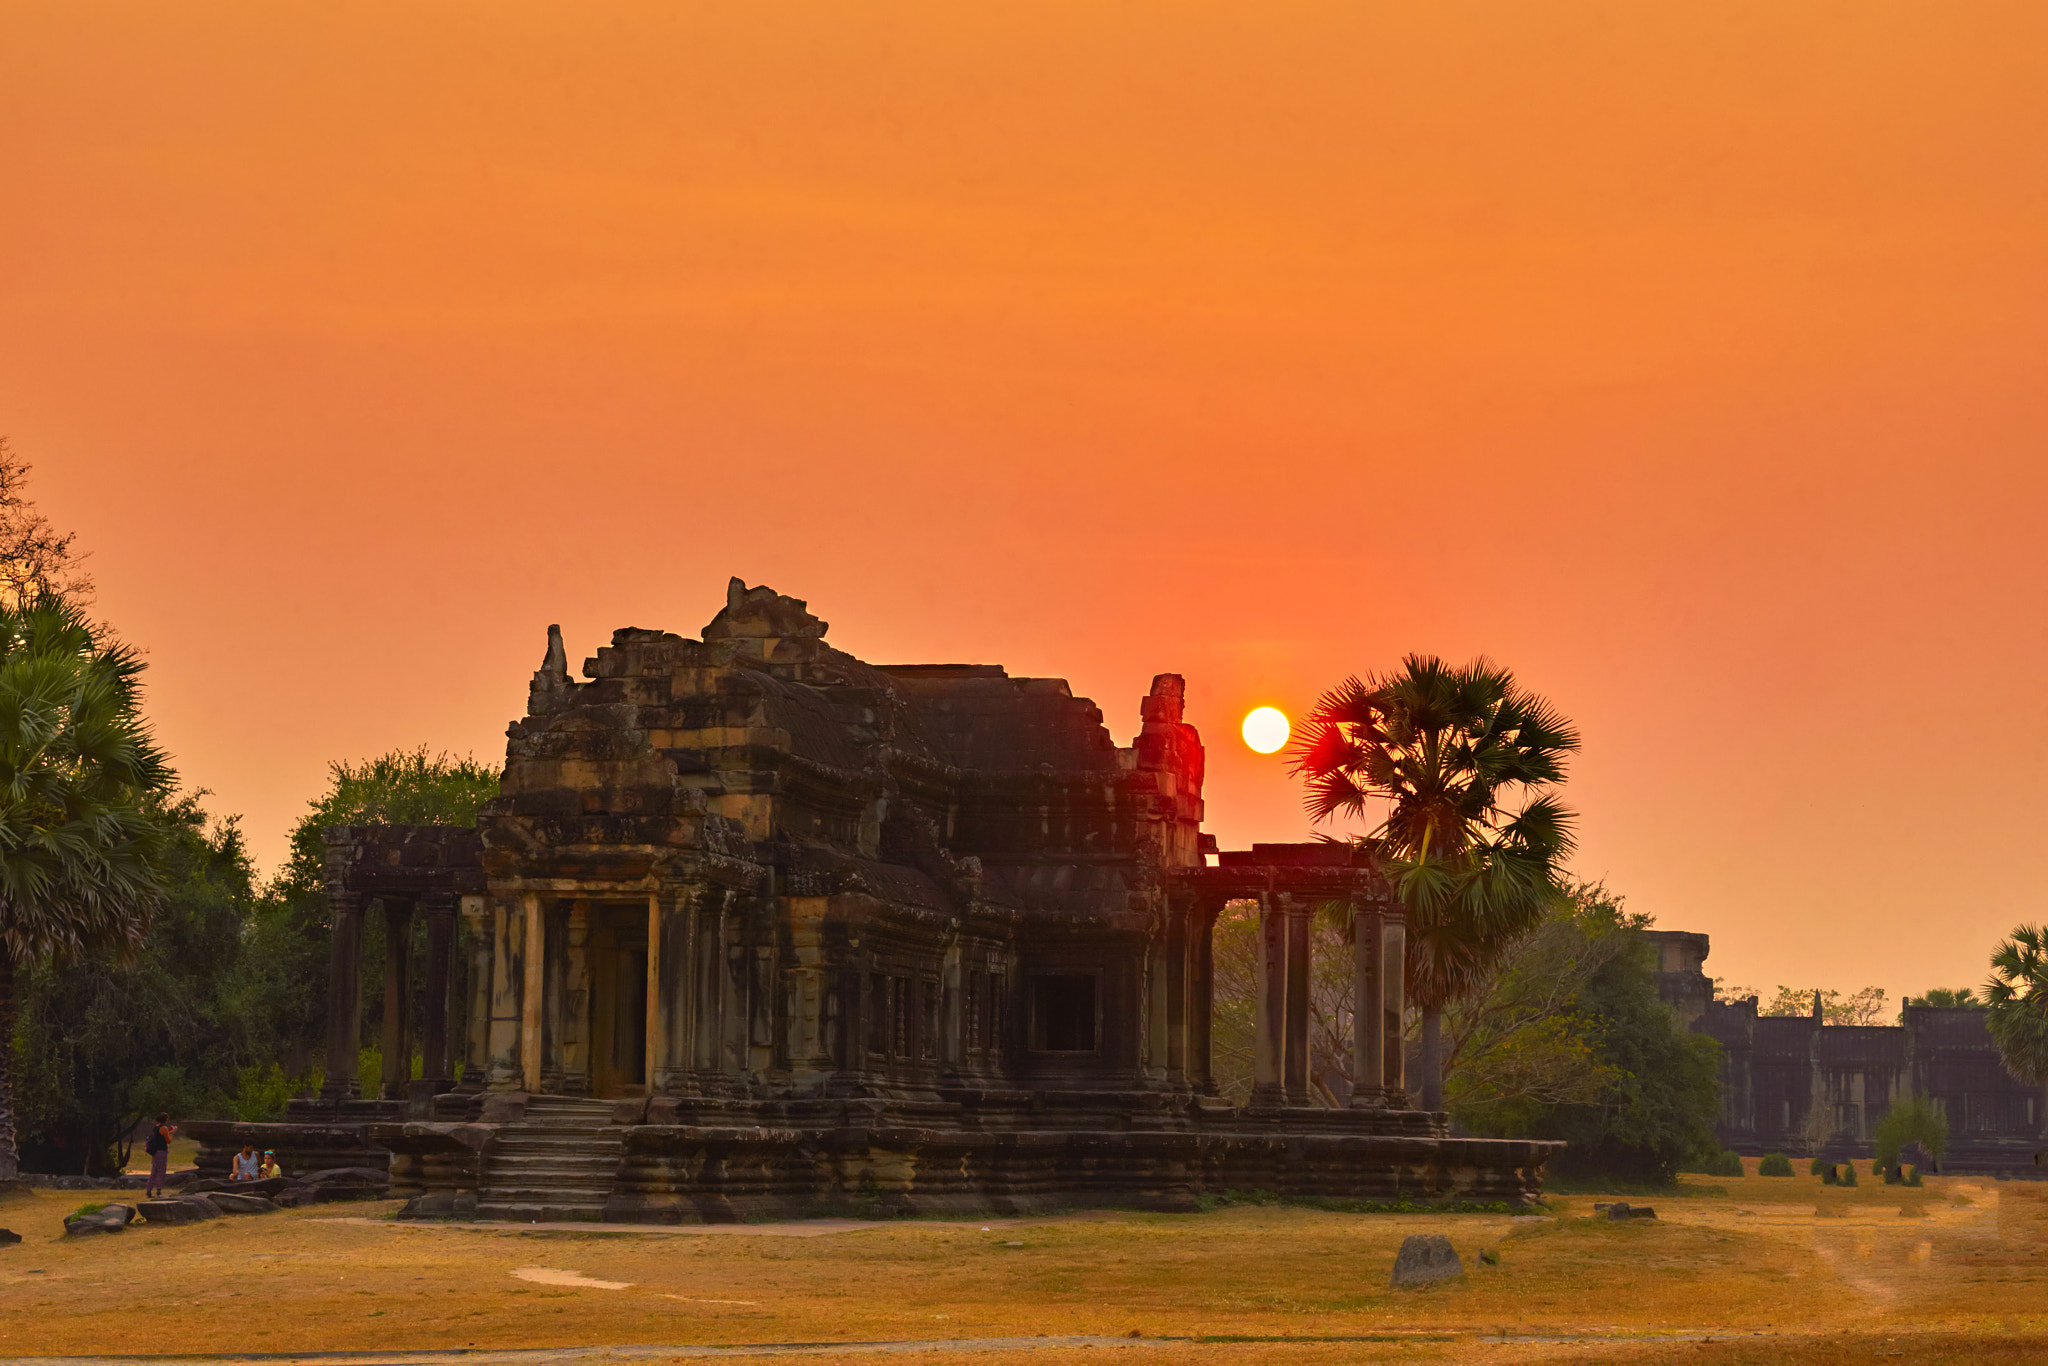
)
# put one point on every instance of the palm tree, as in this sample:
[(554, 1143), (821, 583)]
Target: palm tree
[(1472, 839), (82, 842), (2017, 998)]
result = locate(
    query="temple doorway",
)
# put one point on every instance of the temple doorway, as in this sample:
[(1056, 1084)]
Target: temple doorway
[(618, 1035)]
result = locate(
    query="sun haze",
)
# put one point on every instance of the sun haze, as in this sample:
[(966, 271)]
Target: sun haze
[(1685, 358)]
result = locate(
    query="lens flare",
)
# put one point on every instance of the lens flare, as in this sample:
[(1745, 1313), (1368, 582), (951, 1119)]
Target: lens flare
[(1265, 729)]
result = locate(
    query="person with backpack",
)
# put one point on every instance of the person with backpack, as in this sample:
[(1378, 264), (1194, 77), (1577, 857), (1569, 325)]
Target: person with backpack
[(158, 1146)]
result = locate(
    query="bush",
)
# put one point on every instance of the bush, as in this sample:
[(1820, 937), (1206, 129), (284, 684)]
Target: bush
[(1819, 1168), (1774, 1164), (1848, 1176), (1726, 1163), (1914, 1120), (1830, 1175), (1913, 1176)]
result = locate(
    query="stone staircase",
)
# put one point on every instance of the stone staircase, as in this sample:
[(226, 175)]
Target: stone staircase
[(556, 1164)]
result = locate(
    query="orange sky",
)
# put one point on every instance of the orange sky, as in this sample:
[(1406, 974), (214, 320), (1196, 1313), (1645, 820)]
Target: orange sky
[(1688, 358)]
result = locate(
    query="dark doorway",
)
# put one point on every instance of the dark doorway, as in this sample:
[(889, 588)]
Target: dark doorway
[(1063, 1013), (619, 1020)]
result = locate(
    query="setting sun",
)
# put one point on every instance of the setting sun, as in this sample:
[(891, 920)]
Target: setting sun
[(1265, 729)]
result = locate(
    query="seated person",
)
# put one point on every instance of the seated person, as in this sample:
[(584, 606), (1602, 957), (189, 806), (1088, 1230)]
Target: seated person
[(245, 1164), (268, 1167)]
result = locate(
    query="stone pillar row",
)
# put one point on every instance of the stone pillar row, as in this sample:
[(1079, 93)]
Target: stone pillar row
[(399, 1030), (1281, 1056), (530, 985)]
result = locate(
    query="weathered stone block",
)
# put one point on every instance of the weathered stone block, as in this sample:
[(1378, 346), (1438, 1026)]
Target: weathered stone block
[(238, 1202), (1425, 1259)]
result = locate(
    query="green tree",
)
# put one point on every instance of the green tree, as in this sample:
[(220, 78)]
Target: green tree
[(2017, 997), (1461, 760), (82, 840), (1912, 1120), (1948, 998), (403, 787), (1864, 1006), (179, 1024), (1663, 1095), (1525, 1044)]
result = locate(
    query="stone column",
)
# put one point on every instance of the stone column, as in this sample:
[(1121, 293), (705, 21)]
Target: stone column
[(671, 1037), (1202, 1000), (952, 1029), (1295, 1063), (533, 998), (709, 1004), (1176, 984), (397, 997), (476, 1051), (1270, 1023), (506, 1059), (1393, 1000), (573, 1020), (1368, 1024), (344, 994), (436, 1066)]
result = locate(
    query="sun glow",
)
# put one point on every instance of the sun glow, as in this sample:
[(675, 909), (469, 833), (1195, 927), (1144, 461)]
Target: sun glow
[(1265, 729)]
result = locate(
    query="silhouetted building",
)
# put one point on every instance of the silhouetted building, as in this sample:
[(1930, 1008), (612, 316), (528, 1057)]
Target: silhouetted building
[(1791, 1084)]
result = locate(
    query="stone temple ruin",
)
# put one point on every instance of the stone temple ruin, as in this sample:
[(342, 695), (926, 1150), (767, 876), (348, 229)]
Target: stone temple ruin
[(756, 929), (1792, 1084)]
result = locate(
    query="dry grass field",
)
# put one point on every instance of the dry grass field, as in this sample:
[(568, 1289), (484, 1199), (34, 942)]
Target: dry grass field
[(1774, 1270)]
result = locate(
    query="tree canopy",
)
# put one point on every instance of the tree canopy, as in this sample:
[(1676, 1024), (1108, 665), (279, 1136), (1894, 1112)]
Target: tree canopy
[(82, 833), (1459, 762), (2017, 997)]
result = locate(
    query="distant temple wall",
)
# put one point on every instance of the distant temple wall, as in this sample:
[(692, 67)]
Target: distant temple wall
[(1794, 1085)]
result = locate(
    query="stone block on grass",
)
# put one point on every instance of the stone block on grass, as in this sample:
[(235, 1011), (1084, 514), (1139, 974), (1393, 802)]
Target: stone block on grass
[(106, 1219), (1425, 1259), (236, 1202)]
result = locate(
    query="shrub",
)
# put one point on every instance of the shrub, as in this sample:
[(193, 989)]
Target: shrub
[(1729, 1163), (1774, 1164), (1830, 1175), (1913, 1176), (1913, 1120), (1818, 1168), (1848, 1176)]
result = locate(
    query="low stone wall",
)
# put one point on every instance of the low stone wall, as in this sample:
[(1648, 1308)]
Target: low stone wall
[(300, 1148), (697, 1175)]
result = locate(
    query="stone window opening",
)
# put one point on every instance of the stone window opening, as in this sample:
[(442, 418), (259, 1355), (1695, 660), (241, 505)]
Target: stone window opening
[(1063, 1013), (878, 1014)]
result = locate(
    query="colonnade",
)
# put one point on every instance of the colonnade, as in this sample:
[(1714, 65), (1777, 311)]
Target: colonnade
[(1280, 1056), (400, 1030)]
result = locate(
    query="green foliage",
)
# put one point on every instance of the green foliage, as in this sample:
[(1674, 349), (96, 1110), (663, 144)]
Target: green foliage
[(262, 1090), (403, 787), (1864, 1006), (1913, 1176), (1658, 1110), (1819, 1168), (1522, 1043), (1913, 1120), (1846, 1174), (1949, 998), (1464, 760), (1774, 1164), (1830, 1174), (1724, 1163), (118, 1035), (82, 832), (2017, 997)]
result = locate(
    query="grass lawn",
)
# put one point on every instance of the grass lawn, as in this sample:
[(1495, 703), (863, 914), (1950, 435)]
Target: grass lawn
[(1786, 1269)]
